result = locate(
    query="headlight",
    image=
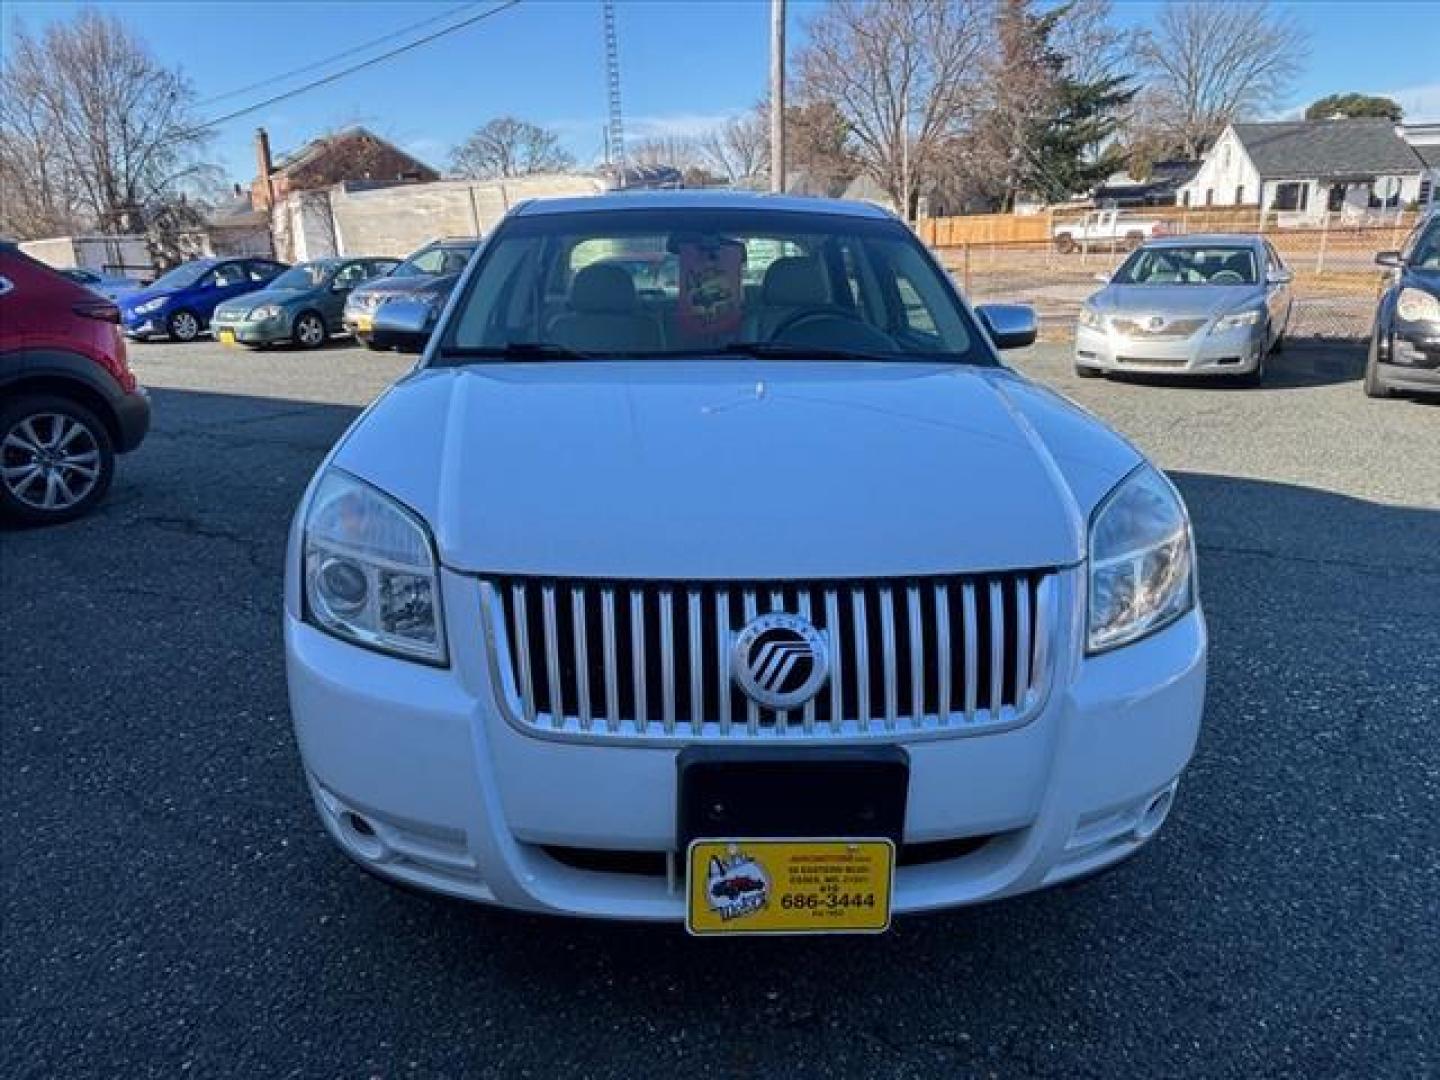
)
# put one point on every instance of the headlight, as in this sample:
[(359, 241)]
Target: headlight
[(1413, 305), (370, 572), (1091, 318), (265, 311), (151, 305), (1237, 320), (1142, 574)]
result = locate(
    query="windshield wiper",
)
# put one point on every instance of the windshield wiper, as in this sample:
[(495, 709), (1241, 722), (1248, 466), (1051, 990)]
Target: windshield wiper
[(519, 350)]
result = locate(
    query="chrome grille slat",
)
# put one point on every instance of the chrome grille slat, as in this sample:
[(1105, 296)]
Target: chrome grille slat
[(651, 660), (579, 619), (552, 657)]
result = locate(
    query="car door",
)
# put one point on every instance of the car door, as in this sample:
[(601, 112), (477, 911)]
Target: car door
[(1278, 294), (224, 281), (345, 280)]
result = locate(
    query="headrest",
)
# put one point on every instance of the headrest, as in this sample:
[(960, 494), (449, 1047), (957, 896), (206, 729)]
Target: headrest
[(794, 281), (603, 287)]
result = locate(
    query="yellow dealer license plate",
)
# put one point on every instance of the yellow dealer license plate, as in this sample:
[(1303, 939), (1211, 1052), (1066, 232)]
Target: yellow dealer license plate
[(789, 886), (227, 337), (363, 323)]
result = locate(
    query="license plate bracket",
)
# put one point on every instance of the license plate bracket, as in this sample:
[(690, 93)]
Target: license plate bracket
[(780, 792)]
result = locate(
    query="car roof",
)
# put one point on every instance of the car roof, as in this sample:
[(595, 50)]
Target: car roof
[(698, 199), (1207, 239)]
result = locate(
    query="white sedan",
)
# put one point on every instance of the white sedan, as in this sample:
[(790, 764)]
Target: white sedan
[(769, 601)]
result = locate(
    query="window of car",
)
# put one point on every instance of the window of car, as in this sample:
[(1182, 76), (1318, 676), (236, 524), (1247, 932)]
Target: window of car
[(304, 277), (184, 275), (261, 270), (1275, 261), (228, 274), (578, 282), (434, 261), (352, 274), (84, 277), (1423, 248), (382, 267), (1198, 265)]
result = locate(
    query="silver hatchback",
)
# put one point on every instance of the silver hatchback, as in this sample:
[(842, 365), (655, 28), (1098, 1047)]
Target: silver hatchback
[(1188, 305)]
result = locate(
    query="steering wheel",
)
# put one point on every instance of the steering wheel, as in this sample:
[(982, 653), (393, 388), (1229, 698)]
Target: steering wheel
[(1226, 277), (800, 318)]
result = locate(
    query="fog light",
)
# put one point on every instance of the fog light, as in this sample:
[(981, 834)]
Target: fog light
[(1155, 813)]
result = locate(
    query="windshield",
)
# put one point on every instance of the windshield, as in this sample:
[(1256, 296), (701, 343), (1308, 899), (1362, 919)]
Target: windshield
[(435, 261), (304, 276), (1426, 253), (1188, 266), (690, 282), (183, 275)]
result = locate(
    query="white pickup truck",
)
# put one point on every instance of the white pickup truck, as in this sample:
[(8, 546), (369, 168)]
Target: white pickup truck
[(1104, 230)]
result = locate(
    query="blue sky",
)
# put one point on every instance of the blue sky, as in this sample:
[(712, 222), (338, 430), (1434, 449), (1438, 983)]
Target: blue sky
[(684, 65)]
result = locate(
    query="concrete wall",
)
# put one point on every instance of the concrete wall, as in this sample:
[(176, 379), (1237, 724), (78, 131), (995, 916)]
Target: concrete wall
[(116, 253), (397, 220)]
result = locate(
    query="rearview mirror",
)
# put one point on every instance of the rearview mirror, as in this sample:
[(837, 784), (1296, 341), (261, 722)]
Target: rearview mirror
[(1011, 326), (402, 323), (1391, 259)]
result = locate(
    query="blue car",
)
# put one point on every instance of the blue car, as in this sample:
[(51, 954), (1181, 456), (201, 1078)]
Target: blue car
[(179, 304)]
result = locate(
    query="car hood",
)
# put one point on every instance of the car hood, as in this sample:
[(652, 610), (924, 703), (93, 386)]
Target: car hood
[(140, 296), (738, 470), (250, 300), (403, 285), (1175, 301)]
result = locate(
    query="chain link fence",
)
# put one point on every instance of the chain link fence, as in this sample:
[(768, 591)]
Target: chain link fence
[(1336, 279)]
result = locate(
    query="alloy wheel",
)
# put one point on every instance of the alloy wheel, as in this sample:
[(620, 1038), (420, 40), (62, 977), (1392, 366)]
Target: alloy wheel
[(185, 326), (49, 461), (310, 331)]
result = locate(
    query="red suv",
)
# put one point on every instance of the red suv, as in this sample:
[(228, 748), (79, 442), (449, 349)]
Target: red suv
[(68, 400)]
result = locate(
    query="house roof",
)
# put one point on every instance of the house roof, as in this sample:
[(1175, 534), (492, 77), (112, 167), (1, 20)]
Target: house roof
[(1429, 153), (1327, 149), (316, 147)]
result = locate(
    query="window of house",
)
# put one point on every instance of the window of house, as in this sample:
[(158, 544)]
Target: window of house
[(1209, 196), (1185, 199), (1239, 194)]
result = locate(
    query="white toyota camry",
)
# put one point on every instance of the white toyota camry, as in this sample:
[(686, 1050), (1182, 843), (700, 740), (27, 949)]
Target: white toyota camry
[(710, 567)]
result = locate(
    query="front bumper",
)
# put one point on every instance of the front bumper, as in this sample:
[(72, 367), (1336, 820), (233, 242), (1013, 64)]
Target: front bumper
[(1410, 356), (144, 326), (1233, 352), (253, 331), (132, 419), (417, 775)]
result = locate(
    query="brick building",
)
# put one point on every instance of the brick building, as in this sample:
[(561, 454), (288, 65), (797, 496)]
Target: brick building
[(354, 156)]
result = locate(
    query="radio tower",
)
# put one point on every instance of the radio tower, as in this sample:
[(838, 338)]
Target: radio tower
[(615, 133)]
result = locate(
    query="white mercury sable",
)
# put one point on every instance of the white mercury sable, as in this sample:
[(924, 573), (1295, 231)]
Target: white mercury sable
[(711, 567)]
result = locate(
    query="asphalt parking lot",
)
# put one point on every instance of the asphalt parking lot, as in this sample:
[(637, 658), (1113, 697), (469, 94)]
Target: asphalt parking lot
[(171, 906)]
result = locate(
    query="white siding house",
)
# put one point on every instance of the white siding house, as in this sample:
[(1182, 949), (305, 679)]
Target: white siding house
[(1308, 168)]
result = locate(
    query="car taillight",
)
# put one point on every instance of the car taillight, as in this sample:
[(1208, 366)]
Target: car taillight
[(103, 310)]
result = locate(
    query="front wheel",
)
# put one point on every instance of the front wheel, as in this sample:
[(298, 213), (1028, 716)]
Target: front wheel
[(183, 326), (56, 459), (309, 331), (1374, 385), (1064, 243)]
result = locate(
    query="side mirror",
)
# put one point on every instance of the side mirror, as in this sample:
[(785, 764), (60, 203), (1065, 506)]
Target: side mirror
[(1011, 326), (340, 287), (1280, 277), (1391, 259), (402, 323)]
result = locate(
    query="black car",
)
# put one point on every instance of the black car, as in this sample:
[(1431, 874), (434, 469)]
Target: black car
[(1405, 347), (426, 277)]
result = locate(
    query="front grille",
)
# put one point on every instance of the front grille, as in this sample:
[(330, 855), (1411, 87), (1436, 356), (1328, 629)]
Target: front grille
[(1179, 328), (651, 660), (1154, 361)]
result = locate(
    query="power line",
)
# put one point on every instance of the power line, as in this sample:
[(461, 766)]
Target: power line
[(283, 76), (344, 71)]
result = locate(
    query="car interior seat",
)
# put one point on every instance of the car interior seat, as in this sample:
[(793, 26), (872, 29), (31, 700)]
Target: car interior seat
[(604, 314)]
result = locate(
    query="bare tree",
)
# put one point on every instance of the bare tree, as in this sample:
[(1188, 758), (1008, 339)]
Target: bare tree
[(93, 130), (902, 74), (739, 149), (1208, 64), (1093, 46), (506, 147)]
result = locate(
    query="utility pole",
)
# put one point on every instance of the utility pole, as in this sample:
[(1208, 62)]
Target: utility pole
[(777, 95)]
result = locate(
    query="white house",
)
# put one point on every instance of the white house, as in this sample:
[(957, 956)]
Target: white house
[(1424, 139), (1306, 168)]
